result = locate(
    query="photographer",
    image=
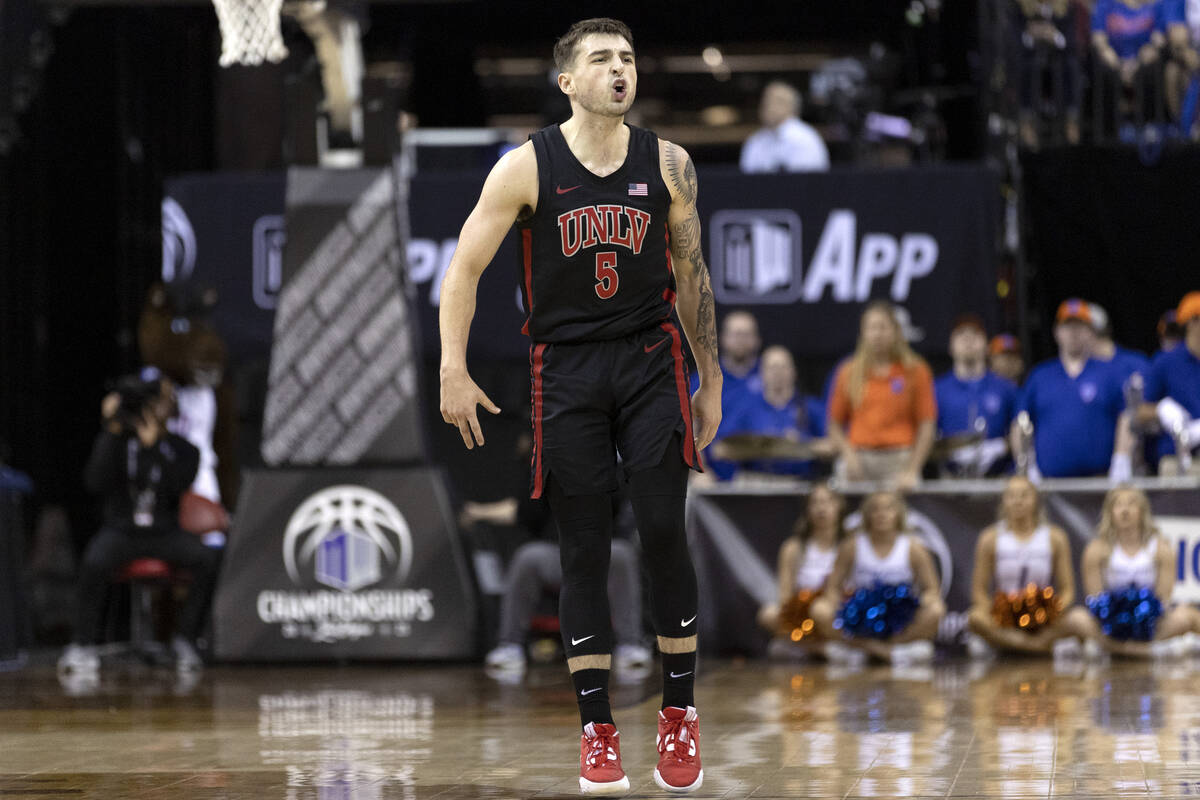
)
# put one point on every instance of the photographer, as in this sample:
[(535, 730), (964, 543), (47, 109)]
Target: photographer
[(141, 471)]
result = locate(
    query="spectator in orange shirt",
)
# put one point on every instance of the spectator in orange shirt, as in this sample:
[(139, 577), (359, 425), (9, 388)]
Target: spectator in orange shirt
[(882, 412)]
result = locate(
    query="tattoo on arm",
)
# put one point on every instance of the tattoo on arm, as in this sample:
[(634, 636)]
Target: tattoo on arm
[(682, 172), (685, 246), (706, 326)]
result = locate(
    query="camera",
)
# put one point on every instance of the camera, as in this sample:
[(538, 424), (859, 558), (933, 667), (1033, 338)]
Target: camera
[(137, 392)]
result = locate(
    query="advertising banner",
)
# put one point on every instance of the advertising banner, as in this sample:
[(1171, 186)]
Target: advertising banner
[(804, 252), (227, 230), (327, 564)]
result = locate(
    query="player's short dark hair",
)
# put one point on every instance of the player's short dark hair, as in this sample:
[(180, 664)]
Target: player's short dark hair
[(564, 48)]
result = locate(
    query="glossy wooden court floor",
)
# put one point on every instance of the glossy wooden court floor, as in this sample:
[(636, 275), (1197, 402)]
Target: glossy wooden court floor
[(1015, 730)]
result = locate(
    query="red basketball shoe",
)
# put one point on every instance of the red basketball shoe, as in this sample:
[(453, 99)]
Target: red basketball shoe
[(678, 769), (600, 761)]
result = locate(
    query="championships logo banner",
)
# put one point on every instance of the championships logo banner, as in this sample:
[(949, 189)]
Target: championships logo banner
[(355, 564)]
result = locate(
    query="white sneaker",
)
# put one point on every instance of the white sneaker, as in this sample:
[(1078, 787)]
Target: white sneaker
[(1093, 651), (978, 649), (1067, 649), (79, 684), (507, 657), (1184, 646), (844, 654), (186, 657), (1169, 649), (80, 659), (786, 650), (631, 656), (914, 673), (918, 652), (1162, 650)]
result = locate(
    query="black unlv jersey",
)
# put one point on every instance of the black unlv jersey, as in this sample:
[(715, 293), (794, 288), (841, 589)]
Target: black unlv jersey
[(596, 262)]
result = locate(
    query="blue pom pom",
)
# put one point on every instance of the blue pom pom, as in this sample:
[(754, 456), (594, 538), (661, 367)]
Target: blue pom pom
[(880, 611), (1127, 614)]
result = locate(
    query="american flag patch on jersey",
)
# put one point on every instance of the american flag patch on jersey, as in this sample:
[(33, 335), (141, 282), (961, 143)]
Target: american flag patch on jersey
[(638, 190)]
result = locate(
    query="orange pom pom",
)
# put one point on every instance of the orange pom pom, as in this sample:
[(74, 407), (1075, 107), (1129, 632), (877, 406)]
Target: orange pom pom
[(1030, 609), (794, 620)]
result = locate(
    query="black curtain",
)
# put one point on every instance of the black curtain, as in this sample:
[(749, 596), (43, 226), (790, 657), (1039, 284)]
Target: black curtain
[(125, 100), (1111, 226)]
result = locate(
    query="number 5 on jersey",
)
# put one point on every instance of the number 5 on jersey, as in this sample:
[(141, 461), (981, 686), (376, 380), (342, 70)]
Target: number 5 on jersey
[(606, 275)]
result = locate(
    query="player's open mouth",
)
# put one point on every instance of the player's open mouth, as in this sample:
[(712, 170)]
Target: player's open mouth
[(619, 90)]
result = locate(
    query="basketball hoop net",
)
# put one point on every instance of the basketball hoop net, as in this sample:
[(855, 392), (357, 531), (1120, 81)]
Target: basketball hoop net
[(250, 31)]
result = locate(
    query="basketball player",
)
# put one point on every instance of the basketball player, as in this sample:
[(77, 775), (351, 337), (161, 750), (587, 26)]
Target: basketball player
[(610, 241)]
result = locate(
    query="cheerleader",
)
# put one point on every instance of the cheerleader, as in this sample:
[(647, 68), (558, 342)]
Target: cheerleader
[(1023, 581), (894, 605), (1128, 572), (805, 561)]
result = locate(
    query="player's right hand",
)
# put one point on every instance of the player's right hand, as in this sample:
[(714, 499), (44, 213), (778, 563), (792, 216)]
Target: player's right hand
[(460, 395)]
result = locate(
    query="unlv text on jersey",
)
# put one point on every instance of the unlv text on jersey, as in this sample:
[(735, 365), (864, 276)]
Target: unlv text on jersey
[(608, 224)]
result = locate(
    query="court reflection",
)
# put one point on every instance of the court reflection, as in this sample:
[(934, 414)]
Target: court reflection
[(347, 743), (1126, 729), (1002, 730), (1022, 714), (860, 734), (362, 736)]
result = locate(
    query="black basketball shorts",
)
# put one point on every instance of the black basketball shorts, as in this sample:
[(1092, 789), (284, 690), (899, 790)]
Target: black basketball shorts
[(595, 400)]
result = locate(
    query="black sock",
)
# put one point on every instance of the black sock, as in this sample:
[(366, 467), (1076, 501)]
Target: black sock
[(591, 692), (679, 679)]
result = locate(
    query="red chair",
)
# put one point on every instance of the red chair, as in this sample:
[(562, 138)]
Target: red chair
[(146, 576)]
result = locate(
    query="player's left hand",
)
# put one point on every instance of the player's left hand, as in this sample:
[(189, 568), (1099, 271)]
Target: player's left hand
[(706, 414)]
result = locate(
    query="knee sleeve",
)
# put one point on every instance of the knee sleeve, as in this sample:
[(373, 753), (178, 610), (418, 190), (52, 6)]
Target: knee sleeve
[(585, 540), (659, 495)]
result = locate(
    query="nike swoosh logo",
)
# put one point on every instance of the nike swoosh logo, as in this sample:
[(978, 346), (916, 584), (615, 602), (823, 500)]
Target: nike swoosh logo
[(575, 641), (589, 691), (650, 348), (561, 190), (680, 675), (688, 622)]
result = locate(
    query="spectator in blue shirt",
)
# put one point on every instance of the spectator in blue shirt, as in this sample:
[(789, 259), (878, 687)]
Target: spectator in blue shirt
[(1128, 32), (972, 399), (1005, 359), (1124, 360), (1179, 16), (1129, 38), (780, 411), (1127, 363), (740, 345), (1075, 403), (1173, 386), (1170, 333)]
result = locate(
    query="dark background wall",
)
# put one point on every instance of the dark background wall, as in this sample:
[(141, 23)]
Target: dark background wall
[(125, 100), (130, 96), (1115, 227)]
